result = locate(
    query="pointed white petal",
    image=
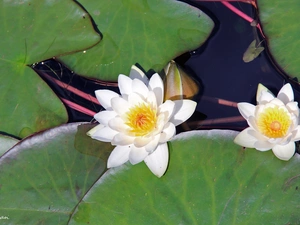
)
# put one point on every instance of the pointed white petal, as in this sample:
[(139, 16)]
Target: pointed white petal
[(104, 97), (139, 87), (105, 134), (296, 136), (122, 139), (260, 89), (136, 73), (125, 84), (151, 99), (152, 145), (246, 109), (120, 105), (141, 141), (262, 145), (104, 116), (157, 162), (168, 132), (95, 129), (118, 156), (157, 86), (245, 139), (182, 111), (284, 152), (137, 155), (167, 109), (293, 108), (135, 99), (118, 124), (286, 94)]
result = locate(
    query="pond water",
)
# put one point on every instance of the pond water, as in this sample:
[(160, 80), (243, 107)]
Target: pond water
[(218, 66)]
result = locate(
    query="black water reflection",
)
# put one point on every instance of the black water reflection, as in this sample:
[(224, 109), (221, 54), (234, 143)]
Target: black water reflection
[(218, 64)]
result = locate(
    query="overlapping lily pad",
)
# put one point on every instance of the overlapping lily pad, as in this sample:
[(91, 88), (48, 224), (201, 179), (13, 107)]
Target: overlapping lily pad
[(148, 32), (6, 143), (44, 176), (33, 31), (210, 180), (280, 25)]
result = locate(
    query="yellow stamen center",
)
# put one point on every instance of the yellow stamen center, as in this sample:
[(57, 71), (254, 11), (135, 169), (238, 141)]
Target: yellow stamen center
[(141, 119), (274, 122)]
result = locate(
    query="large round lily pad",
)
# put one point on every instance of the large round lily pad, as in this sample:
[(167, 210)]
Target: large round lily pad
[(210, 180)]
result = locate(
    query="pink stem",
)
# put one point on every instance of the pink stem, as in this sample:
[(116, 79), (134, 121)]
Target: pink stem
[(241, 14), (78, 107), (72, 89)]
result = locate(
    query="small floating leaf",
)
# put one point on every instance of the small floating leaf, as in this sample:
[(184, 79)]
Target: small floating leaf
[(252, 51)]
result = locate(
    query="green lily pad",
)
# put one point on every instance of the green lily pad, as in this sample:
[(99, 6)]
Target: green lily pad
[(44, 176), (33, 31), (210, 180), (279, 22), (148, 32), (6, 143)]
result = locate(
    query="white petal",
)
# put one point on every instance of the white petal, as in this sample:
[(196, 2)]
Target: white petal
[(167, 109), (284, 152), (246, 109), (245, 139), (182, 111), (142, 141), (168, 132), (297, 134), (151, 99), (118, 124), (157, 86), (137, 155), (293, 108), (120, 105), (262, 145), (136, 73), (118, 156), (260, 89), (266, 96), (286, 94), (105, 134), (122, 139), (95, 129), (104, 116), (125, 84), (104, 97), (135, 99), (139, 87), (157, 162), (152, 145)]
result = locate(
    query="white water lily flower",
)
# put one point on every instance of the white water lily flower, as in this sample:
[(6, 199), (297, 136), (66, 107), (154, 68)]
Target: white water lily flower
[(273, 123), (138, 122)]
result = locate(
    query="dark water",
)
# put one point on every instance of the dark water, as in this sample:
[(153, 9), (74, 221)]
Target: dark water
[(217, 65)]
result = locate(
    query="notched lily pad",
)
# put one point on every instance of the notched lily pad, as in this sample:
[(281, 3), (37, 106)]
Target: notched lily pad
[(148, 32), (41, 30)]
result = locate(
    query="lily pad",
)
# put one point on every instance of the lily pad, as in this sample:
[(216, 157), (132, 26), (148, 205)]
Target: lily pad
[(279, 22), (44, 176), (41, 30), (6, 143), (210, 180), (148, 32)]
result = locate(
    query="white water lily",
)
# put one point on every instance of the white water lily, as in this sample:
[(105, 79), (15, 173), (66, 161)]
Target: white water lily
[(273, 123), (138, 122)]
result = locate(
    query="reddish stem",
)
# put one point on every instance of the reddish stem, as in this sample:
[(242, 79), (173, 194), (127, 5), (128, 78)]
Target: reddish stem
[(78, 107)]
